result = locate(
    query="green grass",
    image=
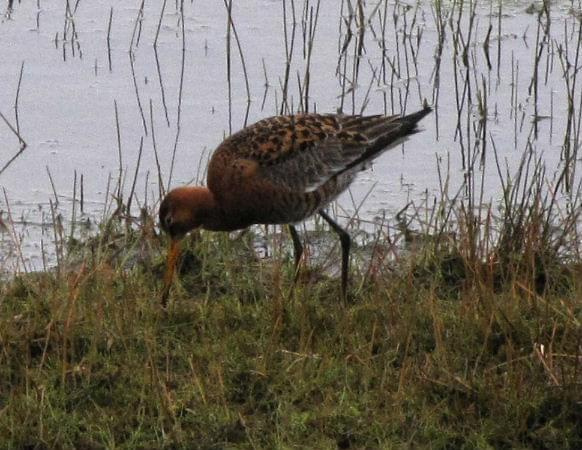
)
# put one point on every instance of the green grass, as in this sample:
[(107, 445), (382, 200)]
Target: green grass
[(436, 350), (473, 339)]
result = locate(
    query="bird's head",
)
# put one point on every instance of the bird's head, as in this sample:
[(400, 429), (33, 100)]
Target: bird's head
[(182, 210)]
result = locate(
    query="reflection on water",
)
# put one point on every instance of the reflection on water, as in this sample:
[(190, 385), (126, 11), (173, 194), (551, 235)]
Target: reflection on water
[(97, 89)]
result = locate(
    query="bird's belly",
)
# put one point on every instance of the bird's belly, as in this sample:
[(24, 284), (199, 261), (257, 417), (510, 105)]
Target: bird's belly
[(251, 204), (291, 208), (263, 209)]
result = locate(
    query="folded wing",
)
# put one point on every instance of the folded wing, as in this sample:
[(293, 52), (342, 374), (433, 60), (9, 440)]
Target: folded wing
[(301, 153)]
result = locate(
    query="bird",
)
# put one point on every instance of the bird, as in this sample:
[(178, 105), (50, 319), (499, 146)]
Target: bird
[(282, 170)]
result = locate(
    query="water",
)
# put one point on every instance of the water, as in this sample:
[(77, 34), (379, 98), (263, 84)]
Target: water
[(72, 77)]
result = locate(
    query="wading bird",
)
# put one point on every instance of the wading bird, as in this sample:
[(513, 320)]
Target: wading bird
[(282, 170)]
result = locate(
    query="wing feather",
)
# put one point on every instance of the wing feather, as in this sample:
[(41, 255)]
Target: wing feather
[(301, 153)]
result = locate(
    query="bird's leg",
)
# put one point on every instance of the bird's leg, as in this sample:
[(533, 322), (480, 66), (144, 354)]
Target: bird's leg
[(297, 248), (346, 242)]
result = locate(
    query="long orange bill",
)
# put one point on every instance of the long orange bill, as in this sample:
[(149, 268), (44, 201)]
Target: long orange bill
[(173, 253)]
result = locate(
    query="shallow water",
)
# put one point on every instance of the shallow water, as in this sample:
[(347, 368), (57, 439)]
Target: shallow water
[(73, 76)]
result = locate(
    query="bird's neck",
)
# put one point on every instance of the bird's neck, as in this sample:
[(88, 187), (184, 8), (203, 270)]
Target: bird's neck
[(204, 210), (199, 207), (208, 211)]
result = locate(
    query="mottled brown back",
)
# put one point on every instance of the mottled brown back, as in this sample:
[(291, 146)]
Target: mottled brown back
[(285, 168)]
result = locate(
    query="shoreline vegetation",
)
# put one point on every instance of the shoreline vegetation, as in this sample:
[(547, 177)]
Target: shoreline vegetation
[(462, 327), (455, 335)]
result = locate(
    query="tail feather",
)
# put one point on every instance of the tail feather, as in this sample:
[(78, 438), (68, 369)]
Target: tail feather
[(361, 124), (402, 127), (386, 133)]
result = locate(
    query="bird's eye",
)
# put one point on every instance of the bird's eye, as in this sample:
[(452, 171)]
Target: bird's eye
[(168, 221)]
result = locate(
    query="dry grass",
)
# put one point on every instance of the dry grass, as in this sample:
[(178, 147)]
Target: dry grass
[(444, 346), (463, 329)]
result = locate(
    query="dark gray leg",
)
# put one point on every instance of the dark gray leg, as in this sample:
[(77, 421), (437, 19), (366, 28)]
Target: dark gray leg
[(346, 242), (297, 247)]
